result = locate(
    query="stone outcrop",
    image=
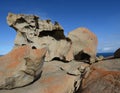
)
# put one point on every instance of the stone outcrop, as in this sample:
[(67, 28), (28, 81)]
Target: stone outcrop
[(20, 67), (81, 44), (84, 44), (117, 53), (56, 78), (104, 77), (41, 33), (68, 61)]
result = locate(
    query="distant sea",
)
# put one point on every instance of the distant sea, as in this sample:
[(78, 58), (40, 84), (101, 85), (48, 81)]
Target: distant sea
[(105, 54)]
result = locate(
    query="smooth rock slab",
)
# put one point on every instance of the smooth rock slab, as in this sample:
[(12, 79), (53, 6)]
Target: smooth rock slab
[(53, 79)]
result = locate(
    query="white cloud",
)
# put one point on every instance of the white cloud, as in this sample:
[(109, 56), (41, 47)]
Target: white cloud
[(105, 49), (108, 47)]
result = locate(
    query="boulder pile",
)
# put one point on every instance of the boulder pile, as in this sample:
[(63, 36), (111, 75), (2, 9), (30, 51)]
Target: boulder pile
[(44, 60)]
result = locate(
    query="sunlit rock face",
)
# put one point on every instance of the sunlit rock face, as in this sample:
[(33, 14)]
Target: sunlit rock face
[(57, 77), (104, 77), (41, 33), (29, 27), (41, 41), (81, 43), (20, 67), (84, 44)]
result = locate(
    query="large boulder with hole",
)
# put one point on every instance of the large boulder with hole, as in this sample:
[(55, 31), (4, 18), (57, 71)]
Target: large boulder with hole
[(21, 67), (117, 53), (104, 77), (41, 33), (84, 44), (60, 49)]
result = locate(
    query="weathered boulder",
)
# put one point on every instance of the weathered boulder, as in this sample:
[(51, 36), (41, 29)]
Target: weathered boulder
[(56, 78), (117, 53), (41, 33), (29, 27), (56, 49), (81, 43), (104, 77), (20, 67), (84, 44)]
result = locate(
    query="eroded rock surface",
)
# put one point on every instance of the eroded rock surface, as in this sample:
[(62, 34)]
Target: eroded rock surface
[(41, 33), (56, 80), (64, 57), (104, 77), (84, 44), (20, 67)]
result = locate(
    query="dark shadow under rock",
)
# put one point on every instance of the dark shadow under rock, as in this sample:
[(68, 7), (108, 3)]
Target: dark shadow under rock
[(58, 35), (81, 56), (117, 53)]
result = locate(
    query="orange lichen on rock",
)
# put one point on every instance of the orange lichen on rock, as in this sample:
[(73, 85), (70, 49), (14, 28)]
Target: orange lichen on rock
[(13, 65), (22, 65), (103, 78)]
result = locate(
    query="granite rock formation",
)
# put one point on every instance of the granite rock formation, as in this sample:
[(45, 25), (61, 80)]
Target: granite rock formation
[(41, 33), (68, 61), (56, 78), (81, 44), (84, 44), (20, 67), (104, 77)]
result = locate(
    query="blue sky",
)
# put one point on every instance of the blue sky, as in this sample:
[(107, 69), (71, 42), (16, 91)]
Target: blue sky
[(100, 16)]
